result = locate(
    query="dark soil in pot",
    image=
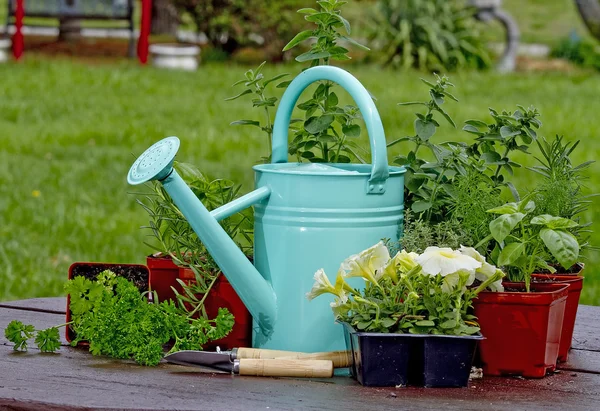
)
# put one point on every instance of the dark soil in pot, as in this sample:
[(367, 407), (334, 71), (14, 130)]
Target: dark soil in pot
[(136, 273)]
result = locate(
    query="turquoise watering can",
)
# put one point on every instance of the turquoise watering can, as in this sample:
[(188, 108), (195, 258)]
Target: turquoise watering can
[(307, 216)]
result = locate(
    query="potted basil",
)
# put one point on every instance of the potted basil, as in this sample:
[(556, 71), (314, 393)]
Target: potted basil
[(411, 322), (524, 324)]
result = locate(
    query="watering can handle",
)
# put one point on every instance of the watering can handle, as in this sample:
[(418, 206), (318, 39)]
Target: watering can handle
[(380, 171)]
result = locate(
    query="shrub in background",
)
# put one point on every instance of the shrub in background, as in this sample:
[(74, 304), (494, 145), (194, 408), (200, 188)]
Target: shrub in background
[(432, 35)]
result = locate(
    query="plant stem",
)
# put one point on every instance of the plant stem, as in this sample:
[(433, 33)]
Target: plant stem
[(201, 303)]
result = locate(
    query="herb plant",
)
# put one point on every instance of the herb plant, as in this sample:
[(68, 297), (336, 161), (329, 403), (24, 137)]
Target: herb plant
[(172, 234), (430, 293), (256, 84), (328, 131), (117, 320), (524, 242), (560, 193)]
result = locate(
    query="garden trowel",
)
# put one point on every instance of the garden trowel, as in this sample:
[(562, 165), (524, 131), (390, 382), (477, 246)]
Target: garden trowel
[(264, 367)]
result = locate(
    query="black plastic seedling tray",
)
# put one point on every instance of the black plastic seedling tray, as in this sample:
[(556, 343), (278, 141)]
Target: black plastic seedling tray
[(387, 360)]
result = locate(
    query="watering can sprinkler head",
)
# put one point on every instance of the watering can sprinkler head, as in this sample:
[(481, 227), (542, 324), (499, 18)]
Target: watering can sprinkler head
[(156, 163)]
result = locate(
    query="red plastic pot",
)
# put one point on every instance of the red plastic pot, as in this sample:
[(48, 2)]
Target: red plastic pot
[(522, 330), (164, 274), (575, 283), (91, 271)]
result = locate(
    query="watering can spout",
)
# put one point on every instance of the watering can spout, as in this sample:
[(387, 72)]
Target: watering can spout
[(156, 163)]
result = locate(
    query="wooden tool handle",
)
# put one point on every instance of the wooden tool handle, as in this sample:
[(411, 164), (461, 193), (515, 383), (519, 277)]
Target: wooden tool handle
[(340, 359), (286, 368)]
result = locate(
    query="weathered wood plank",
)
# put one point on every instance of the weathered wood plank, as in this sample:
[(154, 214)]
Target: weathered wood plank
[(38, 319), (74, 379), (587, 328), (582, 360), (57, 305)]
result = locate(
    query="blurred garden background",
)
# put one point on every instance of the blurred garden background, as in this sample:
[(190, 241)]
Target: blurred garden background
[(75, 113)]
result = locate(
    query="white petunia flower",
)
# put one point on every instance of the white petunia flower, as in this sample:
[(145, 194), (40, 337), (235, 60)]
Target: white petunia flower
[(322, 285), (366, 263), (406, 261), (444, 261), (485, 271)]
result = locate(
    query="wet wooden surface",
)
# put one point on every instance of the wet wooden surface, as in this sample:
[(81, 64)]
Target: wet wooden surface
[(74, 379)]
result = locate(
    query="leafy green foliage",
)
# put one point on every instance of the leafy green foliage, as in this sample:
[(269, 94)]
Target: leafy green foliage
[(173, 235), (429, 34), (231, 24), (463, 181), (582, 52), (524, 242), (116, 320), (255, 84), (560, 193), (328, 132), (419, 234), (18, 333)]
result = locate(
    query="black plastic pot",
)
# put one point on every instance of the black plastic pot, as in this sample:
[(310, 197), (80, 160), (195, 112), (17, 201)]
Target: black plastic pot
[(387, 360)]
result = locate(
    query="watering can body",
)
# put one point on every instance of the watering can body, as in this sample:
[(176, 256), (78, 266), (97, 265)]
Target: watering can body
[(315, 220), (307, 216)]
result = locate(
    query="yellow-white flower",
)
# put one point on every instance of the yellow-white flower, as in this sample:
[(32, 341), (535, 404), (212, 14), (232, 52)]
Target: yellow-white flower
[(366, 263), (451, 281), (485, 271), (406, 261), (322, 285), (444, 261)]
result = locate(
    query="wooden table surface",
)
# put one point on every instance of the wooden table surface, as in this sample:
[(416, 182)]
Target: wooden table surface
[(74, 379)]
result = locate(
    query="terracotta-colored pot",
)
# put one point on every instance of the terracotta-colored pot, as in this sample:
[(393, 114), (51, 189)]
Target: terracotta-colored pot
[(575, 283), (164, 274), (522, 330)]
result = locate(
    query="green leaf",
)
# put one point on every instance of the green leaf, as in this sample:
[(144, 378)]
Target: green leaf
[(420, 206), (448, 324), (472, 129), (352, 130), (511, 253), (48, 340), (562, 245), (501, 227), (332, 100), (491, 157), (388, 322), (508, 131), (476, 123), (243, 93), (245, 123), (299, 38), (508, 208), (424, 129), (344, 22), (311, 55), (425, 323), (283, 84), (277, 77), (307, 10), (355, 43), (316, 125), (18, 333), (553, 222)]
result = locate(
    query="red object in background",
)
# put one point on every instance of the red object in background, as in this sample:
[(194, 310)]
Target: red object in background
[(17, 38), (575, 285), (146, 19), (164, 274), (522, 330), (18, 43)]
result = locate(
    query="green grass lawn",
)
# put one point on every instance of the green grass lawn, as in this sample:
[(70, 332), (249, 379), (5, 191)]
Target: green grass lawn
[(70, 131)]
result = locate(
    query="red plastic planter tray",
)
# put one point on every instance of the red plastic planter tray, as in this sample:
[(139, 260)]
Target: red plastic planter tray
[(164, 274), (136, 273), (575, 283), (522, 330)]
